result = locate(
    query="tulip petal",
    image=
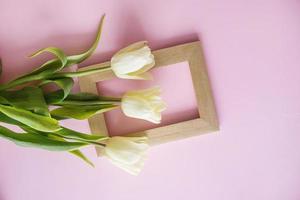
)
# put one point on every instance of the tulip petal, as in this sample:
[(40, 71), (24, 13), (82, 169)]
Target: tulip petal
[(142, 139), (123, 150), (133, 169), (144, 104), (127, 153), (147, 67), (133, 61), (132, 47)]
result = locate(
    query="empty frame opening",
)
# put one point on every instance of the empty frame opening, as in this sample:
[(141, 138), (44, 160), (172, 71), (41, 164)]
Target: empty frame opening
[(177, 91)]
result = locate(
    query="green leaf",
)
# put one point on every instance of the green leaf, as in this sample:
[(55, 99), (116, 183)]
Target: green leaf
[(56, 51), (71, 134), (76, 152), (82, 98), (74, 59), (3, 101), (55, 65), (80, 155), (35, 121), (65, 84), (39, 141), (81, 112), (50, 66), (43, 72), (54, 97), (28, 98), (68, 134), (4, 118)]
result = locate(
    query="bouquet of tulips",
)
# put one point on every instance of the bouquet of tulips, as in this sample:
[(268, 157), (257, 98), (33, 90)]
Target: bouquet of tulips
[(24, 102)]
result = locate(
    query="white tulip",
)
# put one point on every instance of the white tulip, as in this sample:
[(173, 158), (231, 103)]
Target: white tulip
[(133, 62), (128, 153), (143, 104)]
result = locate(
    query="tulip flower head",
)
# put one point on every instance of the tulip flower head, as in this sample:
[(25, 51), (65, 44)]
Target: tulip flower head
[(143, 104), (127, 153), (133, 62)]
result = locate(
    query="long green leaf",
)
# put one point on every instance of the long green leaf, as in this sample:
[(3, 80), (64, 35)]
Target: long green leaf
[(83, 98), (54, 65), (76, 152), (35, 121), (71, 134), (57, 96), (45, 70), (74, 59), (81, 112), (65, 133), (54, 97), (56, 51), (28, 98), (80, 155), (38, 141), (3, 101), (42, 72), (4, 118), (50, 66)]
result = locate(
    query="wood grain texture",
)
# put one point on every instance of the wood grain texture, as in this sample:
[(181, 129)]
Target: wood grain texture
[(190, 52)]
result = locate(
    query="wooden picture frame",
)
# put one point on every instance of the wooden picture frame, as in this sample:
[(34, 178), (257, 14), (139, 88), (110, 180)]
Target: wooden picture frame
[(207, 121)]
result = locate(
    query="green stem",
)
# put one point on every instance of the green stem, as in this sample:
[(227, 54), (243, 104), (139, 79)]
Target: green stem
[(23, 80), (80, 73), (96, 102), (79, 140), (16, 82)]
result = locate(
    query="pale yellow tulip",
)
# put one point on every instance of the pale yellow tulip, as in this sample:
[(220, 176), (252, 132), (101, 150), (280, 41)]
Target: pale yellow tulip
[(133, 62), (143, 104), (127, 153)]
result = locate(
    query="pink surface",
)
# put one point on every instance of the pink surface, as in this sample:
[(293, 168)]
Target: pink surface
[(252, 52), (177, 90)]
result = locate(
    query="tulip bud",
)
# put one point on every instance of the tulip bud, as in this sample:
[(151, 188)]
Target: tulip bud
[(133, 61), (143, 104), (128, 153)]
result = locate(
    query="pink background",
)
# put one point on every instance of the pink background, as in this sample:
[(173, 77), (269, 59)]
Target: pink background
[(252, 50)]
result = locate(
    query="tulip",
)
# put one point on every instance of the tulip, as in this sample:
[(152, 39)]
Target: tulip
[(133, 62), (143, 104), (127, 153)]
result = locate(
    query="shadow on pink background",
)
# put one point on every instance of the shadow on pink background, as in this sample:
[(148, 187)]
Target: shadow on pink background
[(252, 55)]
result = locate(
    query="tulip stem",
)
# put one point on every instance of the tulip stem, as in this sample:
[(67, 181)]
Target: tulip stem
[(79, 103), (80, 73), (21, 81), (79, 140)]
